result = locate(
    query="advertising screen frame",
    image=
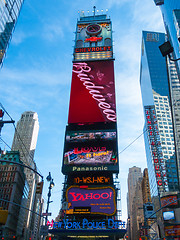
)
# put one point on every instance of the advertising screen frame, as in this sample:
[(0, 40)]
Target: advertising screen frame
[(92, 97), (71, 166), (84, 189)]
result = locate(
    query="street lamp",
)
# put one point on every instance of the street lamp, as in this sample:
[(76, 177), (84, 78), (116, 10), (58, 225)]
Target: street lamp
[(166, 48), (51, 185)]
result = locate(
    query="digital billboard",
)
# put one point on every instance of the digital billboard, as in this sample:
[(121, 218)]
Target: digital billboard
[(173, 230), (92, 96), (171, 201), (84, 149), (91, 200), (90, 178)]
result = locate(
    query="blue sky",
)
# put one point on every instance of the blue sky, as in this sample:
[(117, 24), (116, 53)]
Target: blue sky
[(36, 76)]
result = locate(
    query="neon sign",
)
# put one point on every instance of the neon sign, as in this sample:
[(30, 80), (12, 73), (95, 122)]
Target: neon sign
[(93, 49), (97, 180), (91, 200), (66, 224), (93, 39), (155, 144)]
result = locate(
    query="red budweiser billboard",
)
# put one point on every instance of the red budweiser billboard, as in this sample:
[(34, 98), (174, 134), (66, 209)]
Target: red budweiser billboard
[(92, 93)]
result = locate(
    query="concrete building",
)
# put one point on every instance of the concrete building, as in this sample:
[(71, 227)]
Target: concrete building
[(137, 211), (13, 189), (24, 141), (133, 176)]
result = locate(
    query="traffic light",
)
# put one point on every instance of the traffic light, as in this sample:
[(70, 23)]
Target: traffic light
[(3, 216), (48, 238), (39, 187)]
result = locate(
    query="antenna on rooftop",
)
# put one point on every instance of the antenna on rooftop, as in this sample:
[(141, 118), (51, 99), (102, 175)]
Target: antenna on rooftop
[(94, 10)]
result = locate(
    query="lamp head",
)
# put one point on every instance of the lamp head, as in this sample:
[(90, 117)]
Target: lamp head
[(49, 177), (166, 48), (52, 183)]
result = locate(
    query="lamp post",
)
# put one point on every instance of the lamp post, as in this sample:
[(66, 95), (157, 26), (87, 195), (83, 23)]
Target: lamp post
[(51, 185)]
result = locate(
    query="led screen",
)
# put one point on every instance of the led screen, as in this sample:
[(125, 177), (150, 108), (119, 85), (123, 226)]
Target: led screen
[(92, 96), (170, 201), (90, 148), (91, 200), (168, 215), (173, 230)]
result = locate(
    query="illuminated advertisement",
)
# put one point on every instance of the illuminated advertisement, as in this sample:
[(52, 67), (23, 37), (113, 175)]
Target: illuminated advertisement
[(87, 37), (155, 144), (91, 200), (173, 230), (84, 149), (84, 224), (171, 201), (92, 96), (92, 180)]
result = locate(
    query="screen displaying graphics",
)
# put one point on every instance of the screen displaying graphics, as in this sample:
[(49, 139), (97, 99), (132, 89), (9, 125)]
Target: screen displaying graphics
[(91, 200), (92, 96), (88, 33), (90, 148), (171, 201)]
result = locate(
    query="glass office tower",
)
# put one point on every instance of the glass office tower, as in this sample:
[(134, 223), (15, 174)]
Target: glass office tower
[(159, 137), (171, 15), (9, 12)]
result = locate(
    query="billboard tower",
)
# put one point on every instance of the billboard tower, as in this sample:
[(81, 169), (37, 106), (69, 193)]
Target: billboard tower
[(90, 158)]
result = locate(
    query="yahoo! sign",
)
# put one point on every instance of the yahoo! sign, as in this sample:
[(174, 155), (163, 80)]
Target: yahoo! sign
[(92, 93), (84, 200)]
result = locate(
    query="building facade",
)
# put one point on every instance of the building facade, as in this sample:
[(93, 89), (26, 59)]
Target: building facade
[(133, 177), (24, 141), (9, 11), (171, 16), (159, 129), (13, 189)]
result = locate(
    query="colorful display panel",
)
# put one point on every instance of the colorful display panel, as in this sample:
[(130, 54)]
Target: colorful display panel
[(173, 230), (171, 201), (91, 200), (90, 178), (84, 149), (92, 97)]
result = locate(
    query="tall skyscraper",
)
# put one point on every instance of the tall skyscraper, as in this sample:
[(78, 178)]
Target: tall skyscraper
[(159, 137), (159, 134), (9, 11), (133, 176), (90, 159), (171, 16), (24, 141)]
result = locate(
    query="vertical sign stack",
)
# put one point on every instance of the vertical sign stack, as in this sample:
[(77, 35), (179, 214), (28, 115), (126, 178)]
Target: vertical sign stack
[(90, 150)]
